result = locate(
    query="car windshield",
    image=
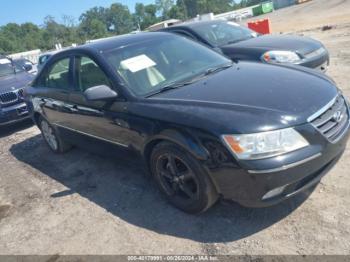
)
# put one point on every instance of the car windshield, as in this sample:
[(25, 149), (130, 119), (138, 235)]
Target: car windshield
[(223, 33), (8, 68), (151, 65), (22, 62)]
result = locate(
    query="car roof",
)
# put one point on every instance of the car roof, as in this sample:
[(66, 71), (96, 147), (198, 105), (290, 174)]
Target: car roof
[(195, 24), (111, 43), (50, 53), (122, 40)]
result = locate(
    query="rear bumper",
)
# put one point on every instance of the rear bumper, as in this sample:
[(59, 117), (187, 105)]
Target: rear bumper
[(13, 114), (260, 183)]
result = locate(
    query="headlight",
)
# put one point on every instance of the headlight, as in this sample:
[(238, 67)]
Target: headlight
[(265, 144), (280, 57)]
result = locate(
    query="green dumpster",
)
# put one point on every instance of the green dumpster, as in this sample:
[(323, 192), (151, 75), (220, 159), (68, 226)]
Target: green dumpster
[(263, 8)]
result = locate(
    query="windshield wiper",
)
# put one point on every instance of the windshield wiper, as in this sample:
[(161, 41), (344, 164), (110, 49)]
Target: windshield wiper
[(233, 41), (175, 85), (170, 87), (217, 69), (239, 40)]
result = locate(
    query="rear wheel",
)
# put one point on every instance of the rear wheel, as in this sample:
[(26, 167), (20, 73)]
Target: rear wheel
[(182, 178), (51, 137)]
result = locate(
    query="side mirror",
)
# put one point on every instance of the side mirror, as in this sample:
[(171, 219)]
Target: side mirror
[(28, 67), (100, 93)]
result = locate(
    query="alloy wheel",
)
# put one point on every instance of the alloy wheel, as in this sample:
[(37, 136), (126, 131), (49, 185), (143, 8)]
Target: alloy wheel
[(49, 135), (177, 178)]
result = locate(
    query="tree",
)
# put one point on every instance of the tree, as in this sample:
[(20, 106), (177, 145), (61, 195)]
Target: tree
[(99, 22), (145, 15), (31, 36), (164, 7), (119, 19), (12, 33), (98, 13), (177, 12), (53, 33), (195, 7), (92, 29)]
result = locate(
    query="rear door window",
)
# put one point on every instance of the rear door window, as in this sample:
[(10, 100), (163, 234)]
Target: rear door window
[(57, 76)]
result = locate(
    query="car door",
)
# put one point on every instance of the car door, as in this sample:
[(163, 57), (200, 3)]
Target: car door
[(99, 119), (51, 90)]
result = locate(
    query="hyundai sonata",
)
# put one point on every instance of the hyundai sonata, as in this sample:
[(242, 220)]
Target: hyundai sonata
[(206, 127)]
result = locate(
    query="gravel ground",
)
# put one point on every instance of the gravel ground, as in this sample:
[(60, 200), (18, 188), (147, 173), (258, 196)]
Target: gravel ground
[(83, 203)]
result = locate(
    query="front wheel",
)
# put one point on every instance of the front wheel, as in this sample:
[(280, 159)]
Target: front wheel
[(51, 137), (182, 178)]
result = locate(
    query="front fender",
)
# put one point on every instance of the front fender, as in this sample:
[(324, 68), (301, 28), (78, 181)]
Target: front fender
[(181, 138)]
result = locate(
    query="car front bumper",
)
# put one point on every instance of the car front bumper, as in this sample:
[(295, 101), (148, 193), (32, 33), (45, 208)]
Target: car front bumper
[(319, 62), (13, 114), (260, 183)]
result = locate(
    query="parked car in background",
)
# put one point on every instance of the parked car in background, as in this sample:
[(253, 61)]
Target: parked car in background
[(27, 65), (13, 79), (203, 124), (43, 59), (240, 43)]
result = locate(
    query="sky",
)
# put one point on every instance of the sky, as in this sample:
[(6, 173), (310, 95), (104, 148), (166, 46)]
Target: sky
[(21, 11)]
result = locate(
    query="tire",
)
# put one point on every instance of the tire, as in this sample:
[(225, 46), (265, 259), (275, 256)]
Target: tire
[(182, 179), (52, 138)]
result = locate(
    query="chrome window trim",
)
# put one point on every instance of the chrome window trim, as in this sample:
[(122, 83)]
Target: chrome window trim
[(90, 135), (285, 167)]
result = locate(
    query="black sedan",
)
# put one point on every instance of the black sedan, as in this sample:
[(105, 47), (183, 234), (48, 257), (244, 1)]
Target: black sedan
[(203, 124), (240, 43)]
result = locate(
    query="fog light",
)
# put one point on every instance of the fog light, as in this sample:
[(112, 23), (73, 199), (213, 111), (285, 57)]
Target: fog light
[(274, 192)]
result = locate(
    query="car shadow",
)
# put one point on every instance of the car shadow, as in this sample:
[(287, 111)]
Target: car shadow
[(123, 187), (10, 129)]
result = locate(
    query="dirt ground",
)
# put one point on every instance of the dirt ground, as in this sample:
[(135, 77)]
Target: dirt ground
[(84, 203)]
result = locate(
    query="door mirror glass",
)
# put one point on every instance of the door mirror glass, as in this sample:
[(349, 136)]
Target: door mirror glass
[(100, 93)]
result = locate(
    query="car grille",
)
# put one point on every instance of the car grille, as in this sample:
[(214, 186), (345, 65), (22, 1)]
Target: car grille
[(12, 97), (20, 93), (334, 121), (315, 53)]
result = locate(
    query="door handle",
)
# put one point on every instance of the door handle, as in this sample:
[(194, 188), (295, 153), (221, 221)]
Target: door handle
[(69, 108)]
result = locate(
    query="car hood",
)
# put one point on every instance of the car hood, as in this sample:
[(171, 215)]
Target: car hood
[(300, 44), (249, 97), (14, 81)]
